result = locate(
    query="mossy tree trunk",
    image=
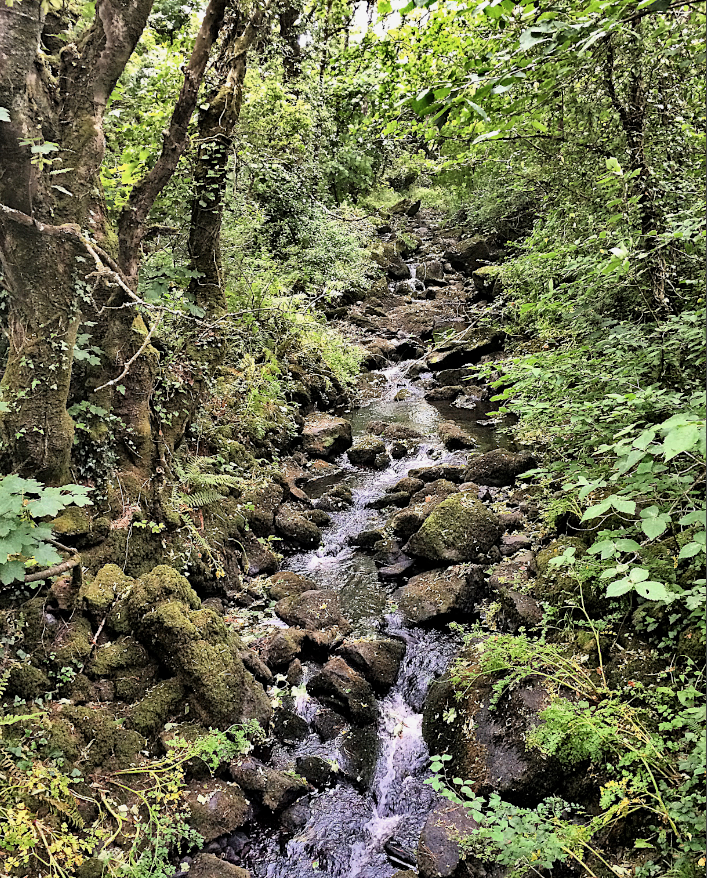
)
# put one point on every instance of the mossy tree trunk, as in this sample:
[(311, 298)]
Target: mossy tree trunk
[(61, 261), (218, 116)]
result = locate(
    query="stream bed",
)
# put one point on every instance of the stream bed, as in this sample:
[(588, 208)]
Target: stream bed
[(368, 823)]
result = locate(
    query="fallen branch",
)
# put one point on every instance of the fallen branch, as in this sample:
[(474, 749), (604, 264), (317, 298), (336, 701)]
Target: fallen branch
[(54, 571)]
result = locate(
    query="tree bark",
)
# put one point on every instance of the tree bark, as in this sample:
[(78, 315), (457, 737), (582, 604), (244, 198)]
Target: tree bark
[(43, 259), (52, 278)]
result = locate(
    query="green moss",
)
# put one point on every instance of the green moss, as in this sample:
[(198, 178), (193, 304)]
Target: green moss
[(103, 738), (109, 583), (64, 739), (149, 715), (26, 681), (73, 522), (73, 644), (457, 530), (125, 653), (161, 584)]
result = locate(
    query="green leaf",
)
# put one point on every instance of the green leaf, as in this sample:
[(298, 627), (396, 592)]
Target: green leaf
[(46, 555), (681, 439), (11, 571), (4, 115), (627, 546), (619, 587), (699, 516), (689, 550), (654, 527), (623, 505), (652, 591)]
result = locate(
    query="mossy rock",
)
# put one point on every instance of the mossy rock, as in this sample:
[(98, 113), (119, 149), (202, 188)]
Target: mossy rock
[(26, 681), (108, 740), (457, 530), (197, 647), (162, 584), (150, 715), (216, 807), (93, 867), (64, 739), (34, 628), (73, 644), (137, 548), (72, 522), (125, 653), (132, 684), (99, 593)]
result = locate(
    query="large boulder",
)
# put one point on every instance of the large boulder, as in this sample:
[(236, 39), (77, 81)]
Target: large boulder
[(488, 745), (498, 468), (339, 686), (165, 615), (470, 254), (292, 524), (313, 611), (408, 521), (452, 472), (211, 866), (281, 647), (325, 436), (465, 352), (438, 595), (285, 584), (273, 790), (458, 530), (378, 660), (216, 807), (431, 273), (439, 850), (454, 437), (259, 504)]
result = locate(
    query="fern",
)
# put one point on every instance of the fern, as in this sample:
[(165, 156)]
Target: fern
[(199, 499)]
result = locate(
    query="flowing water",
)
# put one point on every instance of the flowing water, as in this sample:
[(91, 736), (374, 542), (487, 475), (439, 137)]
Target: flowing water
[(344, 830)]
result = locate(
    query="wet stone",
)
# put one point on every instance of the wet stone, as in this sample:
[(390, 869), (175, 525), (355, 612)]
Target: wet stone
[(315, 770), (366, 539), (512, 543), (328, 723), (289, 726), (338, 685)]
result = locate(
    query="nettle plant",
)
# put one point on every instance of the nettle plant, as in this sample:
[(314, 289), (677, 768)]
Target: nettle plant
[(25, 540)]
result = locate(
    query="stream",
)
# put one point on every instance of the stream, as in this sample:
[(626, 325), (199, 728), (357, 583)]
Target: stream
[(344, 830)]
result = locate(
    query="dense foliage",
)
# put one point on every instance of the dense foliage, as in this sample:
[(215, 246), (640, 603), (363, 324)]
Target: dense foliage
[(571, 137)]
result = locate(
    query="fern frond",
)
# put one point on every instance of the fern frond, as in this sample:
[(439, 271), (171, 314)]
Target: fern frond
[(199, 499)]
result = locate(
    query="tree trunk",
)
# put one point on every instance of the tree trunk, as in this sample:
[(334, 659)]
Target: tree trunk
[(632, 114), (218, 117)]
